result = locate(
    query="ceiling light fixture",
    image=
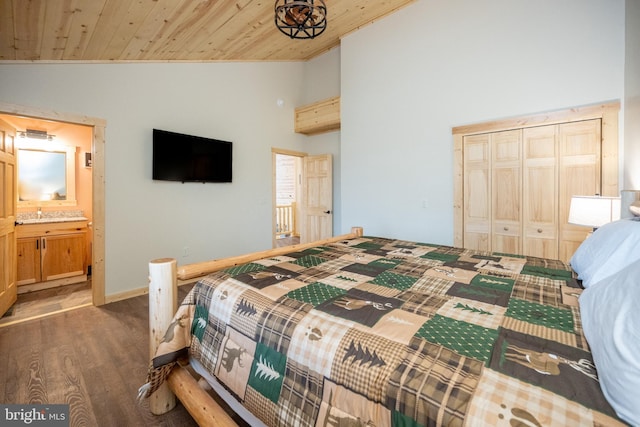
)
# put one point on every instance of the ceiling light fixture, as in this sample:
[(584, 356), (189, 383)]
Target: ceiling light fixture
[(301, 19)]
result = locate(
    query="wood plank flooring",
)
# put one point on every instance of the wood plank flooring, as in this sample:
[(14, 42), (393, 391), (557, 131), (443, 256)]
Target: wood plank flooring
[(92, 358), (36, 304)]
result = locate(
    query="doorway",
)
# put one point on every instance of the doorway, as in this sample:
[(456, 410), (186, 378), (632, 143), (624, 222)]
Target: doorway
[(97, 207), (287, 194)]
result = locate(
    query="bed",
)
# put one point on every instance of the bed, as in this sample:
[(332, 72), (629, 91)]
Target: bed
[(372, 331)]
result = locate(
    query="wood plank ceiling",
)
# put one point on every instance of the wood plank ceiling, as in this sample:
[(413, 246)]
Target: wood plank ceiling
[(169, 30)]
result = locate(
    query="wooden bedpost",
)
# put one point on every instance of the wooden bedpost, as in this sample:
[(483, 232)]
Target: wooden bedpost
[(358, 231), (163, 301)]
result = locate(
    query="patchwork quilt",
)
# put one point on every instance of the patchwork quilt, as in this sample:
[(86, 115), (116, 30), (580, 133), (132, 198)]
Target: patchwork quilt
[(379, 332)]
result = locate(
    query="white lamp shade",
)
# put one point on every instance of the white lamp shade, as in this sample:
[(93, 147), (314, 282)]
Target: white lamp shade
[(593, 211)]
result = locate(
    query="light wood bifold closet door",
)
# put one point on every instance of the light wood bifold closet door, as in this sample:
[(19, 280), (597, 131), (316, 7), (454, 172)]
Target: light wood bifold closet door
[(514, 186)]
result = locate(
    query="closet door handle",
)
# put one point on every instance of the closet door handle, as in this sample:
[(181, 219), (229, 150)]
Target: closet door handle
[(327, 212), (37, 244)]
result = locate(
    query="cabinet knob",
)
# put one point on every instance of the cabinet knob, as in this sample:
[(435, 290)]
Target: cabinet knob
[(506, 228), (539, 230)]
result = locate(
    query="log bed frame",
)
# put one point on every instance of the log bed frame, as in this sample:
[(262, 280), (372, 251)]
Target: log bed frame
[(164, 278)]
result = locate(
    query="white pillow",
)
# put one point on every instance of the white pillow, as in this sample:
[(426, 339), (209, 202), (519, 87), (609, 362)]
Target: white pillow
[(608, 250), (611, 324)]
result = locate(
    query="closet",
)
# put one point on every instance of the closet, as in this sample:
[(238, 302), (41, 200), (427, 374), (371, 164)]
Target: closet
[(514, 179)]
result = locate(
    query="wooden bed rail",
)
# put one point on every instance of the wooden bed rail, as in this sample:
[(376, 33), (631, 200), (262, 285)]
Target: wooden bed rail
[(191, 271), (163, 292)]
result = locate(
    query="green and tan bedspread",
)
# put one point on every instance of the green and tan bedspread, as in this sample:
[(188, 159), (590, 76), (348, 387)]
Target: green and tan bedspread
[(380, 332)]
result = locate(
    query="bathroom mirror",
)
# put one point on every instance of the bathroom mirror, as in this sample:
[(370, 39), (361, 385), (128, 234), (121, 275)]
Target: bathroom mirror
[(46, 175)]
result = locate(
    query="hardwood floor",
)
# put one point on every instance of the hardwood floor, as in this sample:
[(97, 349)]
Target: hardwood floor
[(287, 241), (92, 358), (37, 304)]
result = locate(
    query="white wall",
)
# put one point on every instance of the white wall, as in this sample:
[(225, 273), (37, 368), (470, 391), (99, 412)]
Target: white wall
[(411, 77), (632, 97), (147, 219), (322, 81)]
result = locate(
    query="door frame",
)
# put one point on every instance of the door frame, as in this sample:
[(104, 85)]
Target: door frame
[(284, 152), (98, 184)]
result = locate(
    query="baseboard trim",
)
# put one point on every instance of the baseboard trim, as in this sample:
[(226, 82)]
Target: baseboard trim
[(137, 292)]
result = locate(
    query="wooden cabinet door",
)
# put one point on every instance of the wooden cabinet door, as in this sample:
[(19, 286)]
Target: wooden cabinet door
[(477, 192), (63, 256), (579, 174), (28, 251), (506, 197), (540, 183)]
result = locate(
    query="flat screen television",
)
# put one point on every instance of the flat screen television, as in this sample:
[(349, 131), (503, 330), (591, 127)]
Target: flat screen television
[(188, 158)]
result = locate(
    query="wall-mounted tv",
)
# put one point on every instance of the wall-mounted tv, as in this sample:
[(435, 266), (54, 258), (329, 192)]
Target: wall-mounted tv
[(188, 158)]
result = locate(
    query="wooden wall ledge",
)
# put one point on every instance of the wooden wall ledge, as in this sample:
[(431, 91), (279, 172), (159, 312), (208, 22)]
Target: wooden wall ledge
[(319, 117)]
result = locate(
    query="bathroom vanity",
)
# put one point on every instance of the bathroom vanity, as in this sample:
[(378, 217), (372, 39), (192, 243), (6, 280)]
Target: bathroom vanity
[(51, 250)]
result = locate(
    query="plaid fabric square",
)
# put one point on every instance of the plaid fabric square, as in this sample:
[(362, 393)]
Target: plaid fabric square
[(311, 275), (501, 400), (363, 363), (264, 409), (420, 303), (553, 264), (301, 395), (433, 385), (335, 251), (206, 350), (316, 339), (432, 285), (540, 290), (581, 341), (382, 291), (278, 322), (414, 267), (334, 265)]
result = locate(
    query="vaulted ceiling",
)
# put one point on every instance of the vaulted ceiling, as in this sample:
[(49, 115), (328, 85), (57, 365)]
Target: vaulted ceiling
[(169, 30)]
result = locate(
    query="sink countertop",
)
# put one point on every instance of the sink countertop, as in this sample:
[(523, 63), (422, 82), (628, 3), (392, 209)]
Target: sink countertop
[(45, 220)]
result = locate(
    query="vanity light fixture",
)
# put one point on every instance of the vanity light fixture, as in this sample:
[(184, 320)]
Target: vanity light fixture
[(301, 19), (36, 134)]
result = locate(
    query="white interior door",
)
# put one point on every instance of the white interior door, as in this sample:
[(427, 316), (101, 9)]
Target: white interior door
[(8, 199), (317, 198)]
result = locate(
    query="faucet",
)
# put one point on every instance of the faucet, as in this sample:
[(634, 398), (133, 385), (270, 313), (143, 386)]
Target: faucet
[(39, 212)]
